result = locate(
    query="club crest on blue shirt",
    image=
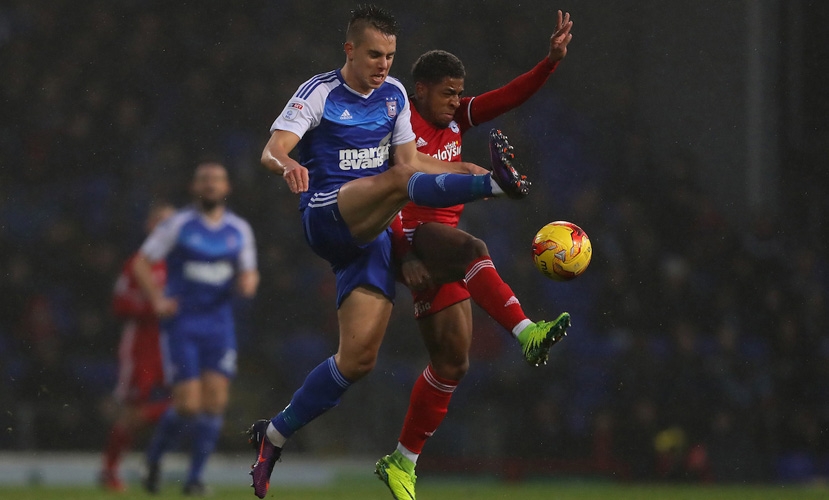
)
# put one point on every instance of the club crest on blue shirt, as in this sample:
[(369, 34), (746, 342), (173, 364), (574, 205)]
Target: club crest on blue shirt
[(391, 107), (232, 242)]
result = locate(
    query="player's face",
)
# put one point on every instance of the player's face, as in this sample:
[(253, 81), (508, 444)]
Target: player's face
[(437, 102), (369, 60), (210, 185)]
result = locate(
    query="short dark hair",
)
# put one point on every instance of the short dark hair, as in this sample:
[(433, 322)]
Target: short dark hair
[(435, 65), (370, 16)]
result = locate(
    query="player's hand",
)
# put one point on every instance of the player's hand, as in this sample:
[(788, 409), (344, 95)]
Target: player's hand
[(296, 177), (415, 274), (471, 168), (165, 307), (561, 37)]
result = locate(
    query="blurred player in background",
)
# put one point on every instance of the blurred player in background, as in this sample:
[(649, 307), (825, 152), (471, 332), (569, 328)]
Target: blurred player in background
[(140, 394), (210, 255), (346, 124), (440, 116)]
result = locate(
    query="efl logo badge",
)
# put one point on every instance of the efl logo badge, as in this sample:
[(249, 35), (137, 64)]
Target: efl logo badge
[(391, 108), (291, 110)]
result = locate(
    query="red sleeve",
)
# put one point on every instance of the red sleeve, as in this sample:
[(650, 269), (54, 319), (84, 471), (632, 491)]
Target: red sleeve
[(400, 245), (128, 302), (494, 103)]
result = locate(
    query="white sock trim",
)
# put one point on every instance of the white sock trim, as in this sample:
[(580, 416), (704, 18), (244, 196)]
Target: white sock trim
[(275, 437), (496, 189), (408, 454), (520, 327)]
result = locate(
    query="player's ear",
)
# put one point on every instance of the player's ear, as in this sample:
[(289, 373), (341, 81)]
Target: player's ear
[(420, 90), (348, 48)]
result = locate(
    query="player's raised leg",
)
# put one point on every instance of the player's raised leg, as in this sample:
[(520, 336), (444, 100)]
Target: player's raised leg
[(368, 204), (451, 254)]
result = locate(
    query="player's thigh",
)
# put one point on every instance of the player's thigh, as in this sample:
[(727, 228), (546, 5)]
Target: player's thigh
[(363, 318), (215, 391), (446, 251), (369, 204), (447, 335)]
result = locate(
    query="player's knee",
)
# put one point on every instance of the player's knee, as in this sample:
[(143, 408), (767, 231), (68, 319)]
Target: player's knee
[(358, 366), (474, 248), (402, 172), (188, 408), (453, 369)]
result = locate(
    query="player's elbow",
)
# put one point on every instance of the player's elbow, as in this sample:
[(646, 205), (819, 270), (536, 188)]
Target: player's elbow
[(263, 160)]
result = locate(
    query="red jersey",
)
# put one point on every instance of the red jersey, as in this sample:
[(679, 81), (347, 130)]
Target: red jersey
[(139, 355), (445, 143)]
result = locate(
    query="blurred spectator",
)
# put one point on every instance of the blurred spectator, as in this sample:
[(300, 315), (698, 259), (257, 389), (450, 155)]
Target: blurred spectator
[(689, 329)]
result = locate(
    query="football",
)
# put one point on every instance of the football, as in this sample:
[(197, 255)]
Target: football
[(561, 250)]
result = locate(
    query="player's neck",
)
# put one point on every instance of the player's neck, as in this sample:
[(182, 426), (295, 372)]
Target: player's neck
[(352, 83), (213, 214)]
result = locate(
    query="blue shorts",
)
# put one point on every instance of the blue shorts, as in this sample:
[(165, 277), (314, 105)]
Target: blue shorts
[(187, 352), (353, 264)]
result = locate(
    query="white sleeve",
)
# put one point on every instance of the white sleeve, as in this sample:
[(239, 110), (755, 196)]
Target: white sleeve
[(301, 115), (163, 238), (403, 132), (247, 257)]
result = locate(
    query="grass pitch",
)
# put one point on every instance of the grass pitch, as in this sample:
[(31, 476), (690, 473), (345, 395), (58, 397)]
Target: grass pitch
[(452, 490)]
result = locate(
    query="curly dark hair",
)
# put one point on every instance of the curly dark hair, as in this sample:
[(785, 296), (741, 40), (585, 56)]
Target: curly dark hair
[(435, 65)]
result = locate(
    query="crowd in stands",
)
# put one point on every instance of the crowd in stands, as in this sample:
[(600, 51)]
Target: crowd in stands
[(698, 348)]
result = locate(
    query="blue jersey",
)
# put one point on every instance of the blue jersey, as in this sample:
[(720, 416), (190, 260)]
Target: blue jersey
[(203, 260), (344, 135)]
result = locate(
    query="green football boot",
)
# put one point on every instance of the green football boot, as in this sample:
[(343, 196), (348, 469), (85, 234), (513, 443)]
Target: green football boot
[(397, 472), (537, 339)]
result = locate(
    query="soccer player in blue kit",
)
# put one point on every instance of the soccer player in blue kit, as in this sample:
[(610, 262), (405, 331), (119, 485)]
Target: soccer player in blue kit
[(346, 126), (210, 255)]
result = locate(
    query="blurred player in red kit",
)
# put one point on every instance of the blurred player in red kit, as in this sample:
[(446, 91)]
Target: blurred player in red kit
[(140, 393), (451, 266)]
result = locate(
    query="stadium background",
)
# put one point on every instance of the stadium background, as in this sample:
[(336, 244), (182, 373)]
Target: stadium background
[(690, 143)]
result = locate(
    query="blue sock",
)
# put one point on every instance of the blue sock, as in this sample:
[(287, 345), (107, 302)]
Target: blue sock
[(206, 430), (166, 434), (446, 190), (320, 392)]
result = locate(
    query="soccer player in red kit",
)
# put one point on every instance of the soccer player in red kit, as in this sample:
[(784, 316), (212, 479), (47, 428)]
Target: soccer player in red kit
[(140, 393), (454, 259)]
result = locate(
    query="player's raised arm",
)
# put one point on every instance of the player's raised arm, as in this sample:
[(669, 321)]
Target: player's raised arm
[(275, 158), (494, 103)]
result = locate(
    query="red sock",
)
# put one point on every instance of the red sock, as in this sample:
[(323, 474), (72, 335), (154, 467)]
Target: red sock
[(427, 407), (118, 442), (494, 296)]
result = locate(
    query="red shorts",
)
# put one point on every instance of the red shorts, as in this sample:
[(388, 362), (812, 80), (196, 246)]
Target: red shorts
[(140, 371), (434, 300)]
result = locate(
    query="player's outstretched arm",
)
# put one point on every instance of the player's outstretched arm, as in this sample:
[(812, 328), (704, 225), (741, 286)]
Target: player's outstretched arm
[(275, 158), (494, 103)]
